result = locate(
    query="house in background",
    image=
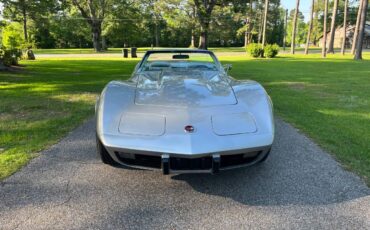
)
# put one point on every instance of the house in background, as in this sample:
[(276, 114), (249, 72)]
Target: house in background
[(349, 34)]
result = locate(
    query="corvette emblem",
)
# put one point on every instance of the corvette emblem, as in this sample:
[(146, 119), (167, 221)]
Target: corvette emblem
[(189, 129)]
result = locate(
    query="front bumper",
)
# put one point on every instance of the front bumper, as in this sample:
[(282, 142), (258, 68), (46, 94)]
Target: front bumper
[(178, 164)]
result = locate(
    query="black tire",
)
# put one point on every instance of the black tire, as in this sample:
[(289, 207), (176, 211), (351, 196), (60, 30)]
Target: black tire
[(103, 153), (265, 157)]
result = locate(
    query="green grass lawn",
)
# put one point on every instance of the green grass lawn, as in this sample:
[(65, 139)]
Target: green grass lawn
[(144, 49), (82, 51), (326, 99), (329, 100), (45, 100)]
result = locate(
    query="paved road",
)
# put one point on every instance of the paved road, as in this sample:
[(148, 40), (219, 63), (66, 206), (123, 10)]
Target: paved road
[(299, 186)]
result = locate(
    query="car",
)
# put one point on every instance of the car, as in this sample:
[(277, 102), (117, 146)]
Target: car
[(181, 112)]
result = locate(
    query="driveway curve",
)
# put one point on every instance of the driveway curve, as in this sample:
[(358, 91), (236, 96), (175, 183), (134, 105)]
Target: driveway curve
[(299, 186)]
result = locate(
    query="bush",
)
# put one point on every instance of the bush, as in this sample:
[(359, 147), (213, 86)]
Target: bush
[(10, 57), (12, 35), (255, 50), (271, 51)]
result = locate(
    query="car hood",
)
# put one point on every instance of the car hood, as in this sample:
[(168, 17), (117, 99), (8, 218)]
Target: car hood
[(183, 89)]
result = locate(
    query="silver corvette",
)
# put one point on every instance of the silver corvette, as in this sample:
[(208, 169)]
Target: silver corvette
[(181, 112)]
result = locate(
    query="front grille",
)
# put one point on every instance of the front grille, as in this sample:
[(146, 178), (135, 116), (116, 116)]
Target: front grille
[(183, 164), (202, 163), (141, 160), (238, 159)]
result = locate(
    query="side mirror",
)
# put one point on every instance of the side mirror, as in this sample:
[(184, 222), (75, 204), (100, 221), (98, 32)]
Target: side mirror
[(227, 67)]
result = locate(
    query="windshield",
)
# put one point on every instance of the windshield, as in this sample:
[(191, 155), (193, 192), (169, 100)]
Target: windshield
[(179, 60)]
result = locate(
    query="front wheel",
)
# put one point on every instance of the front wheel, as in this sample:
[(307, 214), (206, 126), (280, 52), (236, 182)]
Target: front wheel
[(103, 153)]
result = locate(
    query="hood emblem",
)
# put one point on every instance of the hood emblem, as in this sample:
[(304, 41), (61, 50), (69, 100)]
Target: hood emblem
[(189, 129)]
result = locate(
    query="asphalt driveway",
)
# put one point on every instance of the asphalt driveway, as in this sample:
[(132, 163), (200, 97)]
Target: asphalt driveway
[(299, 186)]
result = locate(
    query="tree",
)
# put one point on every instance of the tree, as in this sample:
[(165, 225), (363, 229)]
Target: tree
[(275, 23), (17, 10), (62, 26), (155, 9), (193, 24), (53, 23), (204, 11), (285, 27), (23, 10), (248, 24), (264, 23), (179, 15), (310, 27), (355, 35), (294, 27), (332, 28), (361, 31), (129, 23), (12, 36), (344, 32), (94, 12), (2, 66), (301, 28), (223, 27), (318, 18), (324, 38), (244, 14)]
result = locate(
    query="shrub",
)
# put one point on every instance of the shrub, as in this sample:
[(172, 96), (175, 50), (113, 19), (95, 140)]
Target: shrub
[(10, 57), (271, 51), (12, 35), (255, 50)]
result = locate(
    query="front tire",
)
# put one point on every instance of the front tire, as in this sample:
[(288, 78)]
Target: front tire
[(103, 153)]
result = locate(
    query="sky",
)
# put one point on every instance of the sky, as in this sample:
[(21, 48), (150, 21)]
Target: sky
[(304, 7)]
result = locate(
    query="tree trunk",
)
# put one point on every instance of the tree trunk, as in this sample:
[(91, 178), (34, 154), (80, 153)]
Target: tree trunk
[(332, 28), (203, 41), (361, 32), (344, 32), (264, 23), (96, 32), (294, 27), (156, 35), (323, 52), (246, 39), (285, 27), (247, 35), (260, 29), (103, 43), (204, 10), (2, 66), (355, 35), (88, 11), (192, 44), (310, 27), (24, 12)]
